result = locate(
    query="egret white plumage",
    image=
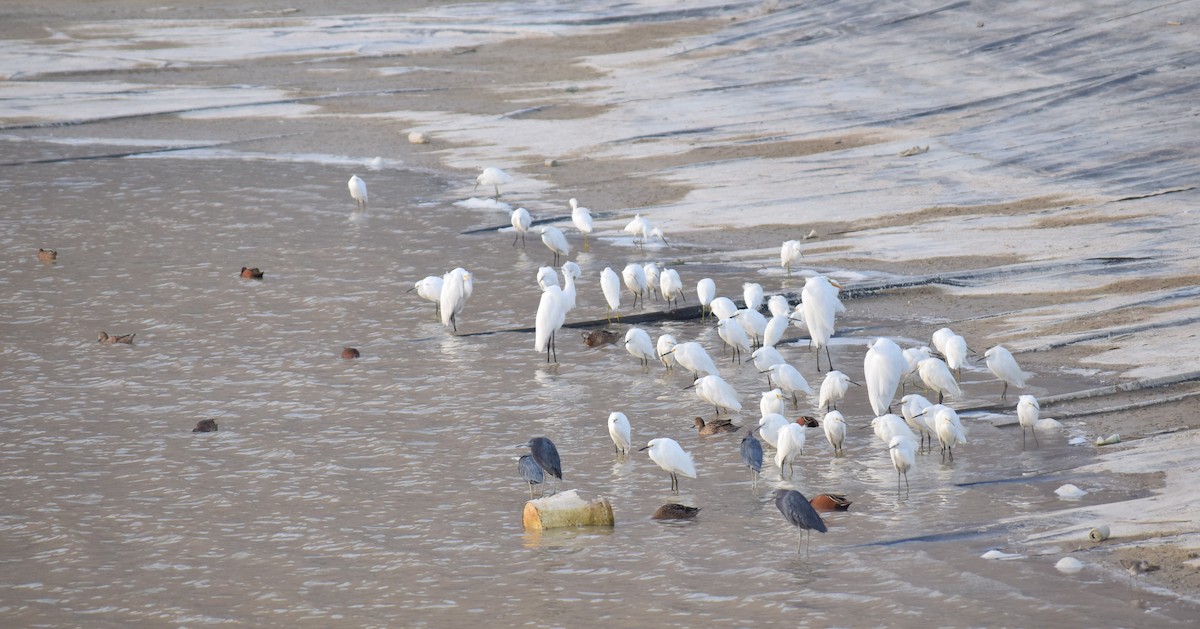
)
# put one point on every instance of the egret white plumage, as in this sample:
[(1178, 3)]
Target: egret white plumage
[(778, 306), (670, 285), (883, 367), (1028, 411), (754, 323), (639, 345), (494, 177), (714, 390), (582, 218), (797, 317), (904, 458), (358, 190), (520, 221), (664, 346), (939, 338), (790, 381), (457, 286), (789, 254), (635, 280), (618, 429), (955, 350), (769, 426), (672, 458), (571, 272), (914, 356), (556, 242), (766, 356), (913, 407), (429, 288), (891, 425), (752, 294), (547, 276), (799, 512), (752, 455), (948, 427), (551, 314), (723, 307), (936, 375), (833, 389), (706, 292), (773, 333), (635, 226), (610, 284), (834, 425), (1002, 364), (821, 304), (772, 402), (652, 280), (693, 357), (790, 441), (732, 333)]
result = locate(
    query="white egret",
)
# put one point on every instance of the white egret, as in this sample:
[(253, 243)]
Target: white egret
[(883, 366), (494, 177), (693, 357), (457, 286), (654, 232), (769, 426), (555, 241), (618, 429), (1028, 411), (936, 375), (551, 314), (790, 381), (891, 425), (821, 305), (723, 307), (672, 458), (610, 284), (914, 356), (913, 407), (635, 280), (706, 291), (639, 345), (666, 343), (733, 334), (670, 284), (773, 333), (714, 390), (1002, 364), (789, 254), (791, 445), (752, 294), (835, 430), (358, 190), (904, 458), (772, 402), (652, 280), (547, 276), (833, 389), (955, 351), (948, 427), (520, 221), (939, 338), (766, 356), (635, 227), (571, 272), (429, 288), (778, 306), (582, 218), (798, 317), (754, 323)]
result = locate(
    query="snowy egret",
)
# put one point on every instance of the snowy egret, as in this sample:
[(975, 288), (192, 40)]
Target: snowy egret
[(652, 280), (904, 458), (714, 390), (769, 426), (914, 356), (520, 221), (457, 286), (672, 458), (774, 330), (936, 375), (913, 408), (358, 190), (752, 455), (798, 317), (639, 345), (833, 388), (551, 314), (582, 218), (754, 323), (766, 356), (1002, 364), (835, 430), (752, 294), (732, 333), (955, 351), (635, 226), (778, 306), (948, 427), (664, 345), (891, 425), (654, 232), (618, 429), (545, 455), (635, 280), (821, 304), (571, 272), (789, 254), (494, 177), (790, 442), (723, 307), (790, 381), (939, 338), (547, 276), (530, 471), (715, 426), (556, 242), (1028, 410), (429, 288), (670, 284), (611, 285), (771, 402), (883, 367), (798, 512), (706, 291), (693, 357)]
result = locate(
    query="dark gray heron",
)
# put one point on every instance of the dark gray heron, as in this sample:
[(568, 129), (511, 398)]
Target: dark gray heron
[(796, 508), (530, 471), (752, 455), (545, 455)]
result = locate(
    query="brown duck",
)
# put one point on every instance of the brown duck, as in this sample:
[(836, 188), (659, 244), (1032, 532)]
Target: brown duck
[(715, 426), (830, 502), (206, 425), (675, 511), (252, 274), (349, 353), (119, 338), (596, 338), (47, 255)]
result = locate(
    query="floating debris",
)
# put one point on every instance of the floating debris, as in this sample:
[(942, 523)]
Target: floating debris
[(916, 150), (1069, 565), (1070, 492)]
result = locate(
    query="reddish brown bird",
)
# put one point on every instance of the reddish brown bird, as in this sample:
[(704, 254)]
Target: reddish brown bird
[(675, 511), (830, 502), (596, 338), (252, 274), (810, 422), (119, 338), (47, 255), (350, 352)]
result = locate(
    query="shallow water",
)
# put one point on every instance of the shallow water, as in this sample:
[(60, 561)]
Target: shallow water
[(383, 491)]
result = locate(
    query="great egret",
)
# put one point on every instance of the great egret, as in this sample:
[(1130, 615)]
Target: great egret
[(494, 177), (752, 294), (790, 381), (821, 305), (551, 314), (913, 408), (790, 445), (752, 455), (520, 221), (834, 425), (948, 427), (789, 254), (1002, 364), (693, 357), (798, 512), (652, 280), (635, 280), (902, 450), (618, 429), (936, 375), (530, 472), (672, 458), (1028, 411), (358, 190), (457, 286), (670, 284), (833, 389), (545, 454), (706, 291), (883, 367), (582, 218), (733, 334), (610, 284), (639, 345), (714, 390), (429, 288), (663, 347), (556, 242)]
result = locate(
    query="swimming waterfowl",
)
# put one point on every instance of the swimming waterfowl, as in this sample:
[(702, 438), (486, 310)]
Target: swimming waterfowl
[(252, 274), (350, 352), (714, 426), (206, 425), (675, 511), (596, 338), (47, 255), (119, 338), (830, 502)]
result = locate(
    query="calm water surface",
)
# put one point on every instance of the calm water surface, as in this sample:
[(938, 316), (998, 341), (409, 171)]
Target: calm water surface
[(383, 492)]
